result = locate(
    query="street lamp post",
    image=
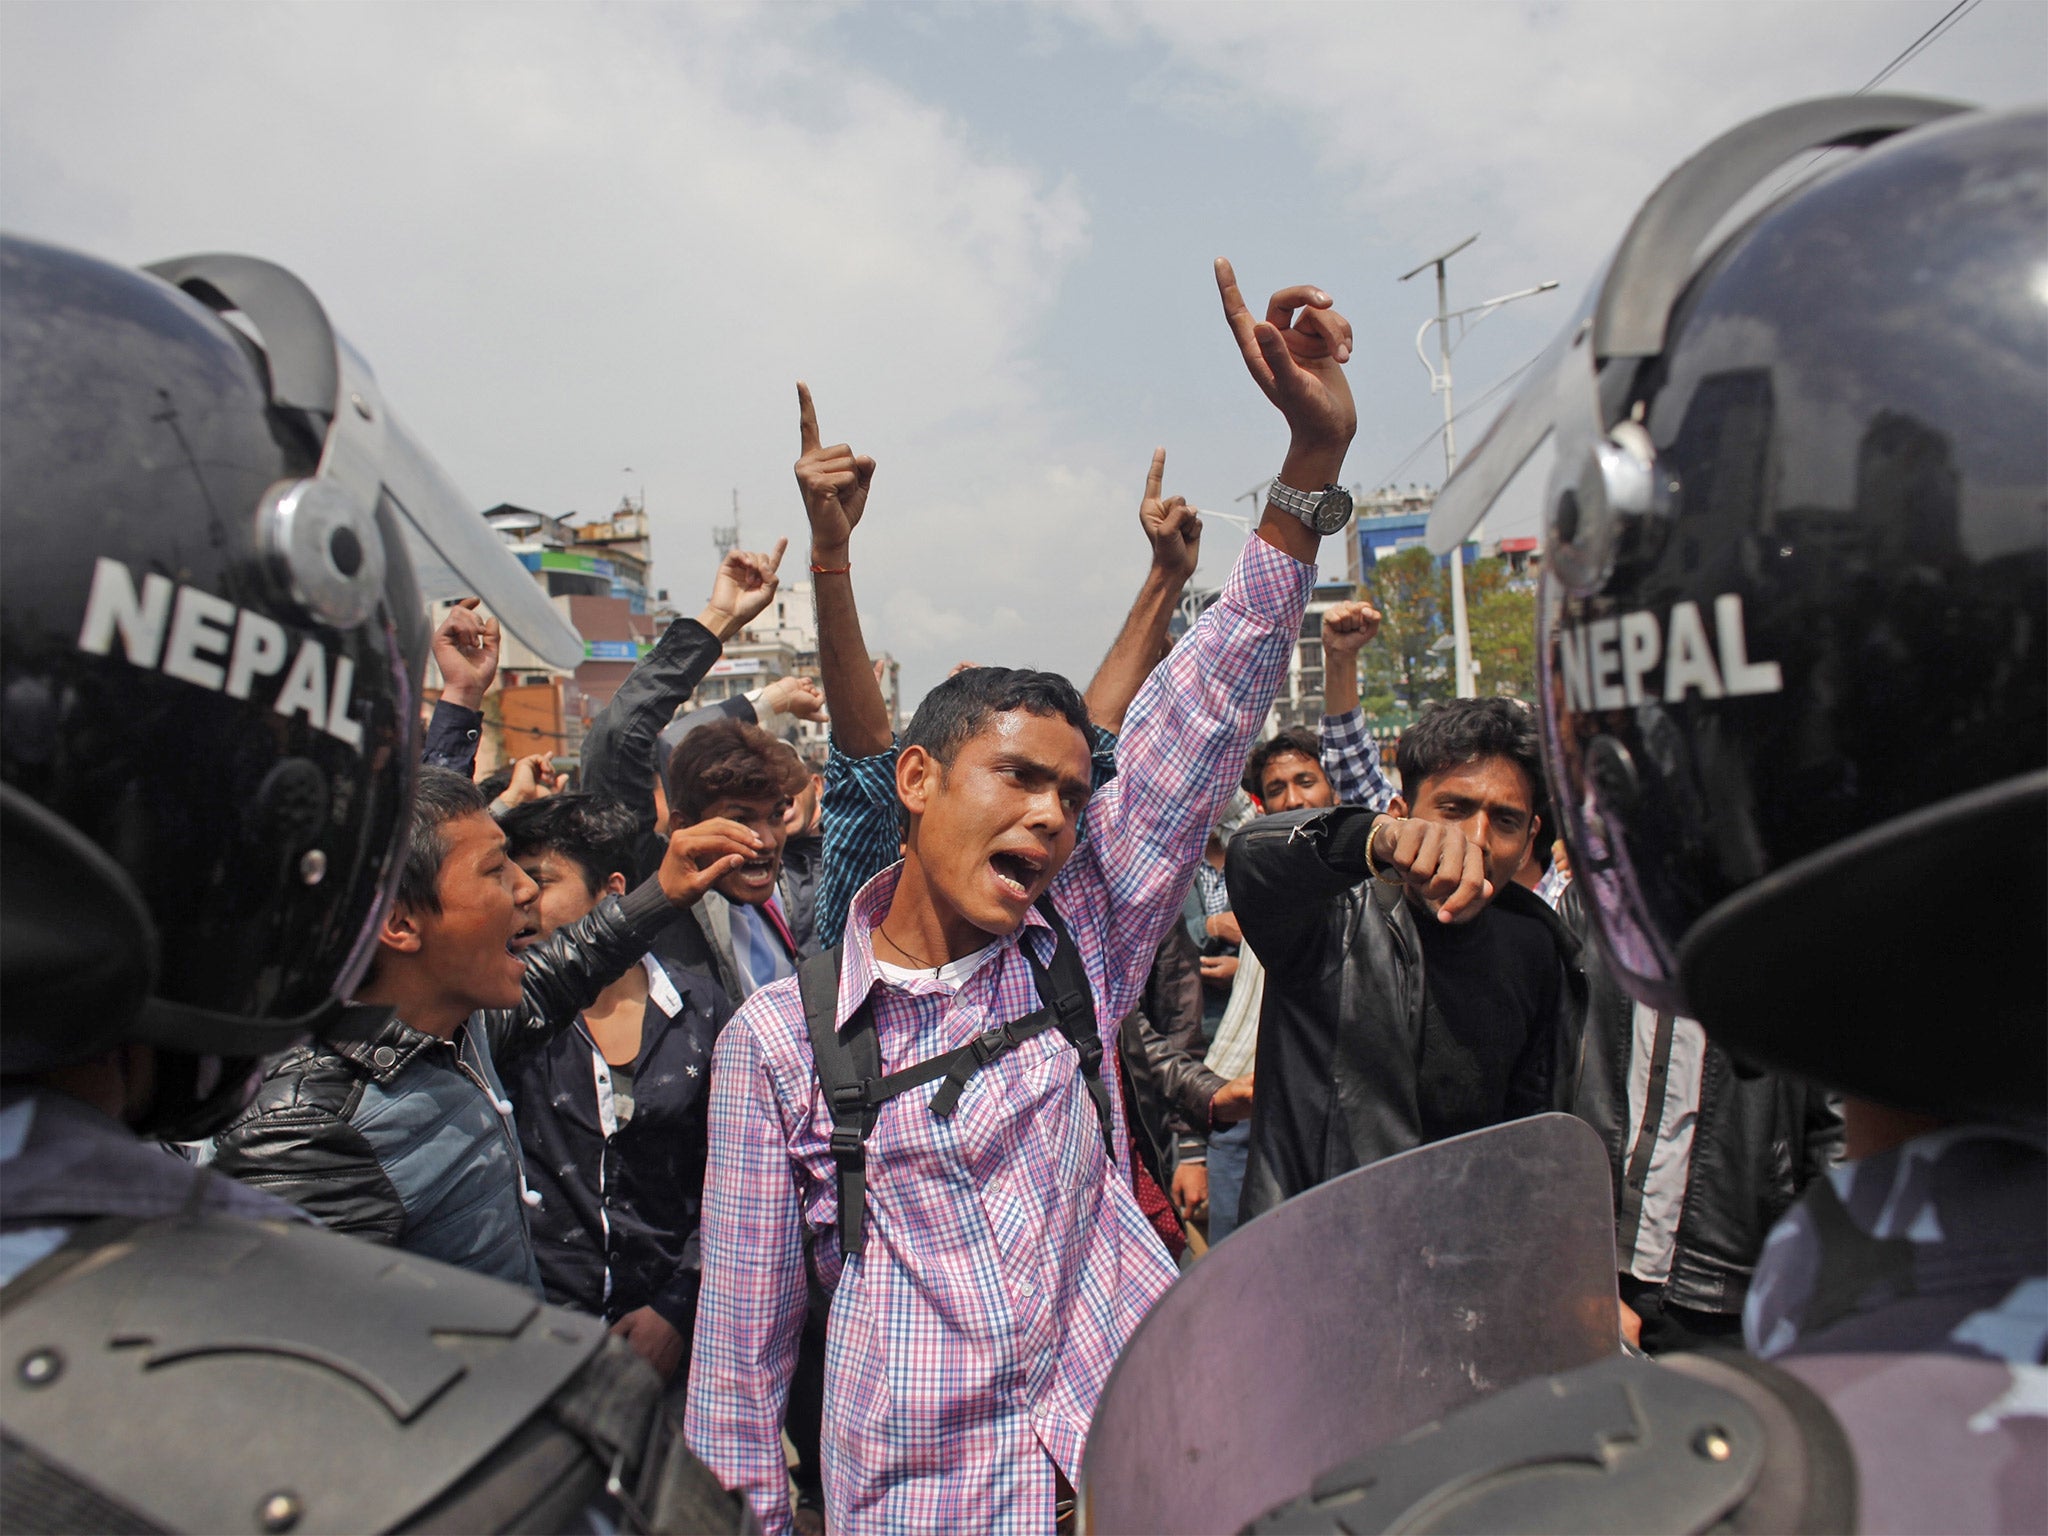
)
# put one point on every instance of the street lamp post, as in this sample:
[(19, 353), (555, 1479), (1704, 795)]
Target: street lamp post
[(1440, 382)]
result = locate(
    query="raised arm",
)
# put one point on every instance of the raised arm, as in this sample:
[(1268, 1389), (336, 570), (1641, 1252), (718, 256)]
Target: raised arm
[(1175, 534), (466, 651), (621, 748), (1296, 356), (834, 482), (1350, 756), (1347, 629), (1197, 714)]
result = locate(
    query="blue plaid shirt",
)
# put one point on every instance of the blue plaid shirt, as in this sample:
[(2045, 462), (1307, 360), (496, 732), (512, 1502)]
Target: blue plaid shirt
[(864, 823), (1352, 760)]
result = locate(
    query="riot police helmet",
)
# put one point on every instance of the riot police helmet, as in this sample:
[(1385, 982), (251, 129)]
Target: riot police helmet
[(1794, 605), (215, 539)]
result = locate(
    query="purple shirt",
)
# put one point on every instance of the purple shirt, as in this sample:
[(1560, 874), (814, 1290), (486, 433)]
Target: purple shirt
[(1006, 1261)]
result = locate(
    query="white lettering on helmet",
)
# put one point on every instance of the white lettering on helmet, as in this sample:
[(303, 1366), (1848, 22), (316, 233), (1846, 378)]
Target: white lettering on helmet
[(184, 626), (1612, 662), (199, 627), (113, 604), (260, 648), (305, 686)]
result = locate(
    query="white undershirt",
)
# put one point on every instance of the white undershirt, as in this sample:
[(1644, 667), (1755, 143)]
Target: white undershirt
[(953, 975)]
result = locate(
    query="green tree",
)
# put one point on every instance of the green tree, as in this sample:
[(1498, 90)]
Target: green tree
[(1413, 592), (1413, 595), (1501, 613), (1503, 625)]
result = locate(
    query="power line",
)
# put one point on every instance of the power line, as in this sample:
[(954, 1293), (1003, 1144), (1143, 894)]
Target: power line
[(1954, 14), (1438, 431), (1949, 19)]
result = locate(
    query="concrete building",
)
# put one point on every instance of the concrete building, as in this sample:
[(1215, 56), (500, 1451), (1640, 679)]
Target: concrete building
[(597, 574)]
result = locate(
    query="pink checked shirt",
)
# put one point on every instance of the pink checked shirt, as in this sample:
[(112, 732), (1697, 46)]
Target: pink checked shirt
[(1006, 1261)]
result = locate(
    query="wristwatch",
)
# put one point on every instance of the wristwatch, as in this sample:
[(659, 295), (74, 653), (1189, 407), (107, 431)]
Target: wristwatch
[(1326, 510)]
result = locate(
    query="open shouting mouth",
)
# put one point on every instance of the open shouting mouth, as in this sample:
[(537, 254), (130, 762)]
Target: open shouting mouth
[(1018, 871)]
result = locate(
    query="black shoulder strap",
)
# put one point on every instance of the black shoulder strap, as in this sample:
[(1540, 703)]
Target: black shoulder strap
[(849, 1060), (1064, 989)]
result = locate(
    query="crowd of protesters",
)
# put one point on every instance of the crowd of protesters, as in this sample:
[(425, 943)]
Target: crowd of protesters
[(852, 1117), (661, 1043)]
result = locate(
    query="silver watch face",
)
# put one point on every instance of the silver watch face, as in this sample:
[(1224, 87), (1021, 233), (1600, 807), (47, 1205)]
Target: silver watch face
[(1333, 510)]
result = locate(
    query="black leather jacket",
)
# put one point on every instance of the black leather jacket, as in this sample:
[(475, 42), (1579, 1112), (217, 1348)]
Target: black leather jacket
[(1340, 1034), (1162, 1047), (1760, 1139), (396, 1135)]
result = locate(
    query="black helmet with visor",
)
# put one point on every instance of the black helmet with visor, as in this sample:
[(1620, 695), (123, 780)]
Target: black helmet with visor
[(217, 544), (1794, 615)]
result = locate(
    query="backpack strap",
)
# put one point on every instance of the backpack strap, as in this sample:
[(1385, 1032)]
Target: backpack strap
[(848, 1062), (1064, 986)]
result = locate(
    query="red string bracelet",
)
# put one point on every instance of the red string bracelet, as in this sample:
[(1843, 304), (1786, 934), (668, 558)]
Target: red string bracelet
[(833, 570)]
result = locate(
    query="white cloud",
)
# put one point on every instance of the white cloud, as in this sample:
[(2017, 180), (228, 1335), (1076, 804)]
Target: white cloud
[(1547, 124), (574, 239), (1543, 126)]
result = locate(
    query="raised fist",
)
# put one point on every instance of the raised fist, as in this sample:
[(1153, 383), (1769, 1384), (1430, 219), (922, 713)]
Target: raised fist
[(1348, 627), (466, 651)]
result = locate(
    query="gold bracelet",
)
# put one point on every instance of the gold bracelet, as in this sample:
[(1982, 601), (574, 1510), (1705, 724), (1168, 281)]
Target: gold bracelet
[(1371, 864)]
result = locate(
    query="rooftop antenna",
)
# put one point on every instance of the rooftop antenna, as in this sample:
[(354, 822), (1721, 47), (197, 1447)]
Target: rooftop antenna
[(727, 535)]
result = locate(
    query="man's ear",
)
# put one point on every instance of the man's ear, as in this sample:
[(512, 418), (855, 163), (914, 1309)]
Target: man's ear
[(402, 931), (614, 885), (918, 775), (1397, 808)]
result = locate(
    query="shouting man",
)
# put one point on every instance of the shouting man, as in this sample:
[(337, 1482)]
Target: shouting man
[(987, 1254)]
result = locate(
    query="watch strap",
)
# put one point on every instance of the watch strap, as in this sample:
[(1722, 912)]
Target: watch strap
[(1301, 504)]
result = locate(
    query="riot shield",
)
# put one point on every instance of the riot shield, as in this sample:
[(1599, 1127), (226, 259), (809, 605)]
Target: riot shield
[(1351, 1314)]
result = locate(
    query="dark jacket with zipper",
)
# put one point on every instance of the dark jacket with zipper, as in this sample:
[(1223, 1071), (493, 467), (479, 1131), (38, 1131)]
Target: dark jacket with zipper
[(1760, 1138), (1162, 1046), (616, 1229), (1341, 1033), (405, 1138)]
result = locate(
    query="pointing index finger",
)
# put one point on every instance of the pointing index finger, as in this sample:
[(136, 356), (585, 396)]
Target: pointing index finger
[(1157, 475), (775, 559), (806, 416), (1241, 323)]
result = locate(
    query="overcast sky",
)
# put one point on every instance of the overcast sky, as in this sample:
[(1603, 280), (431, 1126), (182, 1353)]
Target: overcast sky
[(574, 239)]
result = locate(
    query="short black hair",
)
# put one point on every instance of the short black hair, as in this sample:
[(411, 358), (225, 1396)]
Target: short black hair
[(1296, 738), (725, 758), (495, 783), (594, 832), (960, 708), (441, 796), (1460, 731)]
